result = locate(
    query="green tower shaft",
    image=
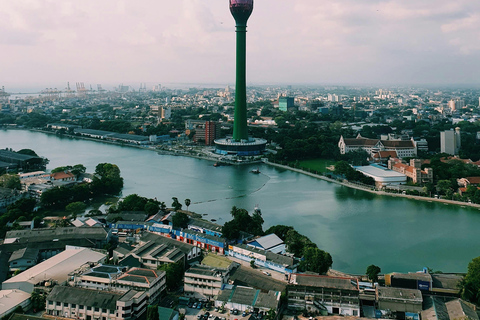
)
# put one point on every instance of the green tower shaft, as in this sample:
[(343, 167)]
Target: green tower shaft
[(240, 130)]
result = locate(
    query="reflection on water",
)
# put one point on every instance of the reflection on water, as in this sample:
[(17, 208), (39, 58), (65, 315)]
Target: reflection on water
[(356, 227)]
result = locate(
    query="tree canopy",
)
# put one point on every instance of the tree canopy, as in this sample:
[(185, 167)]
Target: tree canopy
[(180, 220), (372, 272), (470, 285), (10, 181), (134, 202), (242, 221), (107, 179)]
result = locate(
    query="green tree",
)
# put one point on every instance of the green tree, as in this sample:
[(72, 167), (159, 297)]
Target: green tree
[(107, 179), (76, 208), (271, 314), (151, 207), (152, 312), (38, 301), (10, 181), (316, 260), (180, 220), (470, 285), (28, 152), (252, 264), (174, 274), (372, 272), (176, 205), (187, 203)]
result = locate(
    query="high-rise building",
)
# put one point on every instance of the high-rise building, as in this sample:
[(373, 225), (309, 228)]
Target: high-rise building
[(212, 132), (284, 103), (450, 141), (241, 144)]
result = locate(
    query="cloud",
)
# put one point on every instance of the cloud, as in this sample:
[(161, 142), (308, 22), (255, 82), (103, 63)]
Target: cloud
[(194, 40)]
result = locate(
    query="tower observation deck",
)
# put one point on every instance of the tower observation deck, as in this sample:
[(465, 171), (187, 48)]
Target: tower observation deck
[(241, 143)]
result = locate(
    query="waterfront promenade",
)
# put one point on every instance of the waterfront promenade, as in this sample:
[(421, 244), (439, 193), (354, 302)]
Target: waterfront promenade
[(371, 190)]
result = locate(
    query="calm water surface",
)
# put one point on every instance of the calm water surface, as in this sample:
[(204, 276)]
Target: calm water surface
[(356, 227)]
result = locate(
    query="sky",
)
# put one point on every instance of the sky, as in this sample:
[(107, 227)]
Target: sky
[(50, 42)]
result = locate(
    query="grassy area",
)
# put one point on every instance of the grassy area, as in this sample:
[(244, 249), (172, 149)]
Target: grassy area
[(316, 164), (216, 261)]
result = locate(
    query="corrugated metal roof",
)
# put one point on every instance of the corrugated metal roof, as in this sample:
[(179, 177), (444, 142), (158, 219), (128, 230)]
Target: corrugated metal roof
[(58, 267), (269, 241)]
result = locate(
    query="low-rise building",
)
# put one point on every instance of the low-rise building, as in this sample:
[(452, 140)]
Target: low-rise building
[(324, 294), (456, 309), (269, 242), (23, 259), (403, 148), (399, 300), (263, 258), (247, 299), (383, 177), (413, 171), (417, 280), (204, 281), (87, 304), (117, 278), (11, 300), (54, 270)]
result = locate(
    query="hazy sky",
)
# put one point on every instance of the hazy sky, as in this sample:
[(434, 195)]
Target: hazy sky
[(288, 41)]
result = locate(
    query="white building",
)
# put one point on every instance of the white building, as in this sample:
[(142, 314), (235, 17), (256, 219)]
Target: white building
[(450, 141), (382, 176), (12, 299), (403, 148), (55, 269)]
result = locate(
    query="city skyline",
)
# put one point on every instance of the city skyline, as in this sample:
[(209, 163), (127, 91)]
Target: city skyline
[(189, 41)]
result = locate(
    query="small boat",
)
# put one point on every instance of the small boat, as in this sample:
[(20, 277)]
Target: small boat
[(256, 171)]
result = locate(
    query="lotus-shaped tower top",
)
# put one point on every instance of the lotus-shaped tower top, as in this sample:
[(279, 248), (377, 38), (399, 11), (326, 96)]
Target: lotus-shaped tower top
[(241, 10)]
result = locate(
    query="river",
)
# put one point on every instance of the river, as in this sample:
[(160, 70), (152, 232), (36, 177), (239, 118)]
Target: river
[(356, 227)]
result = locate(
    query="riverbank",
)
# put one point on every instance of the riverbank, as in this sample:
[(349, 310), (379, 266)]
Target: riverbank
[(200, 154), (380, 193)]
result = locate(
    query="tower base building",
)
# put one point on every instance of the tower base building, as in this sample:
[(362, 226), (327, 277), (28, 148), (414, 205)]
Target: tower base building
[(250, 147)]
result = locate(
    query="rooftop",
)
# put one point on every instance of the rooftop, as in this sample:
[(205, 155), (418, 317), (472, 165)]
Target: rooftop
[(57, 267), (87, 297), (269, 241), (246, 276), (325, 282), (389, 293)]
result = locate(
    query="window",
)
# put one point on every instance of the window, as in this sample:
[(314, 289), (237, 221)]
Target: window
[(97, 309), (80, 307), (73, 305), (89, 308)]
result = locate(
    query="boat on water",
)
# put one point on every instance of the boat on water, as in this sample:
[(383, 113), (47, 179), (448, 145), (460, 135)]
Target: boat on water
[(255, 171)]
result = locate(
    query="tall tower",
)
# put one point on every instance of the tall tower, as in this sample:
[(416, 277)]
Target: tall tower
[(241, 11), (241, 144)]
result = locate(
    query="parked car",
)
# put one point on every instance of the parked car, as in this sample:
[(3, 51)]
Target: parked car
[(266, 273), (194, 306)]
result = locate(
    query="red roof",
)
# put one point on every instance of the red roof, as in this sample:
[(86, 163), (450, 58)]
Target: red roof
[(62, 175), (473, 180), (385, 154)]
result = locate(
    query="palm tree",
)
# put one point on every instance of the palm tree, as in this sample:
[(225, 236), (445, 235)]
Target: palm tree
[(187, 203)]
